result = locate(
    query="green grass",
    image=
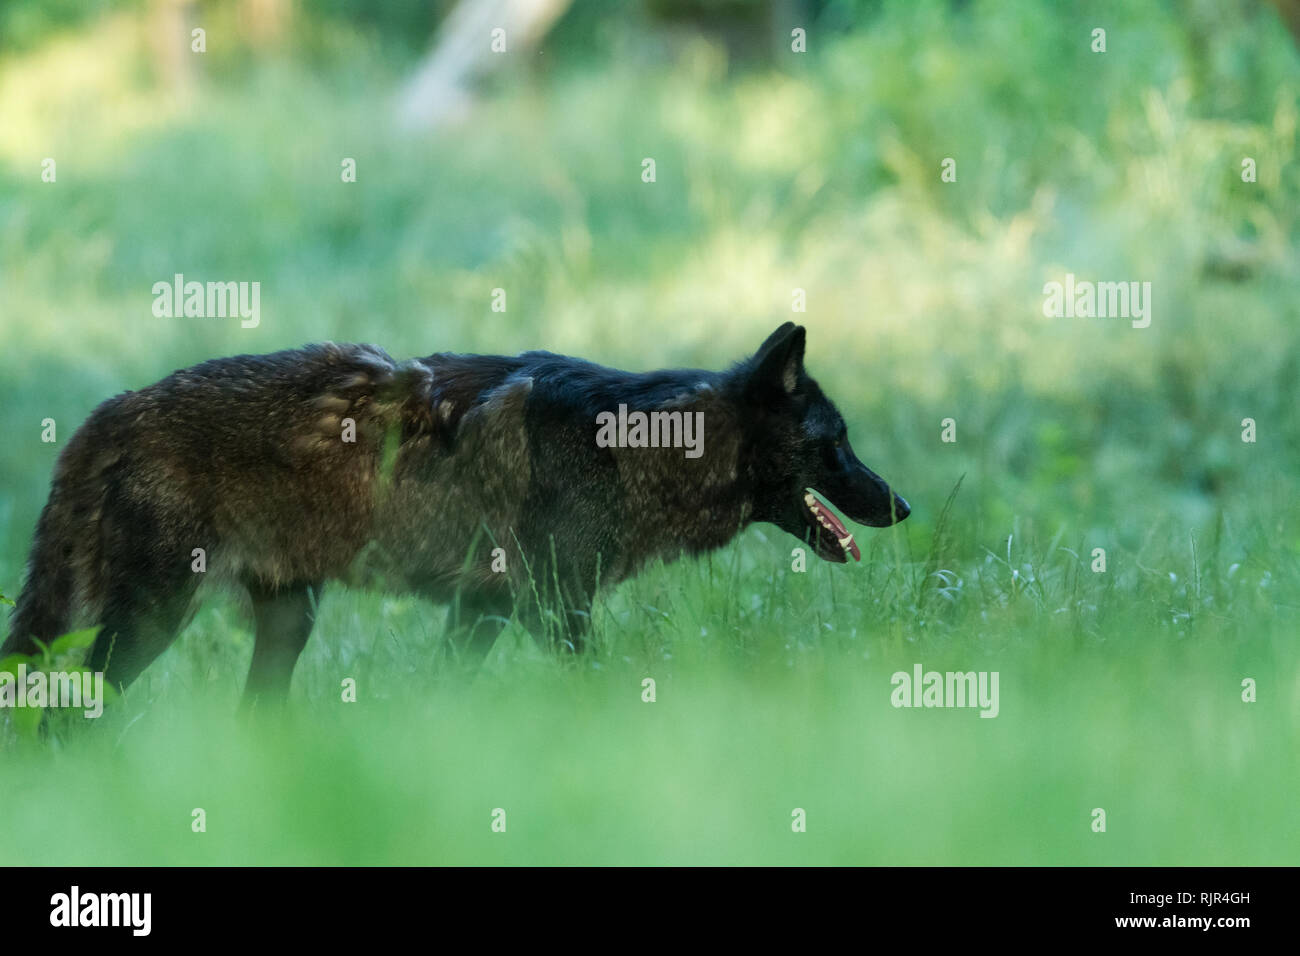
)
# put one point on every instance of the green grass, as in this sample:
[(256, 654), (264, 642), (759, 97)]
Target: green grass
[(771, 695), (1119, 690)]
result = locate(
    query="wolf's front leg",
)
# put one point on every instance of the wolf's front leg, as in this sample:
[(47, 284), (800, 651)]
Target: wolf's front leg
[(284, 617)]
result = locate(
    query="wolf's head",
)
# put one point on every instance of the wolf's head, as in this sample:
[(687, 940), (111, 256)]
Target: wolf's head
[(800, 453)]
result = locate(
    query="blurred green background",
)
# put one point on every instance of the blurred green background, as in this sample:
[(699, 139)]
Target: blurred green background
[(775, 171)]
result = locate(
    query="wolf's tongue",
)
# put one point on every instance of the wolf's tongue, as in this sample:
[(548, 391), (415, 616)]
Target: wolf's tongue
[(836, 527)]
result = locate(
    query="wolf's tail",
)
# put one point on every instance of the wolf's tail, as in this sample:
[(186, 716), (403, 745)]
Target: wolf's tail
[(43, 610), (66, 570)]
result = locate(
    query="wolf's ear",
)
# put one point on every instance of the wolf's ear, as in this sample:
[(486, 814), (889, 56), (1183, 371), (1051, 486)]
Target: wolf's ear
[(779, 360)]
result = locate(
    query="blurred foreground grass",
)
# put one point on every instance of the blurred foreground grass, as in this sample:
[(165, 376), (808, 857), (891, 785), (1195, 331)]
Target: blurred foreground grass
[(750, 722)]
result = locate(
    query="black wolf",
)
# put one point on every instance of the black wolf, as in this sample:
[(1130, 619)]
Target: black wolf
[(477, 480)]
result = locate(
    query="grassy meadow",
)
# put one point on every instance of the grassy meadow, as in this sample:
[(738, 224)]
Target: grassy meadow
[(1119, 690)]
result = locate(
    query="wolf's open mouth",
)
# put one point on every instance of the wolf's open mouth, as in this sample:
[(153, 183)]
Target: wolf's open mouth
[(833, 540)]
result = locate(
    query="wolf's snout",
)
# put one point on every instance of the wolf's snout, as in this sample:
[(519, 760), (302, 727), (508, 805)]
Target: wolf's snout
[(887, 510), (875, 503)]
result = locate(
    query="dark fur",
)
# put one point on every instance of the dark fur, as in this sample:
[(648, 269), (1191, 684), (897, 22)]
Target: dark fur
[(454, 455)]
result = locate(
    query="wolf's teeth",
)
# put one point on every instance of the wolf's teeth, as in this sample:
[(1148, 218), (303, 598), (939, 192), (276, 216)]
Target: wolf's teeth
[(809, 500), (846, 541)]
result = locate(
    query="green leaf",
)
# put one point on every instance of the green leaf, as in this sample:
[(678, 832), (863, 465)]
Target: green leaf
[(10, 663), (5, 600), (73, 640)]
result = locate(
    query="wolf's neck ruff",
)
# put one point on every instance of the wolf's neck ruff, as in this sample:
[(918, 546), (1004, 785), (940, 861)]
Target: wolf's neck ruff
[(673, 503)]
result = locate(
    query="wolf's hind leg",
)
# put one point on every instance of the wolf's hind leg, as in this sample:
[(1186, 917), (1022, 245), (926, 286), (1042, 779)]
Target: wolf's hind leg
[(141, 575), (139, 623), (284, 617)]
